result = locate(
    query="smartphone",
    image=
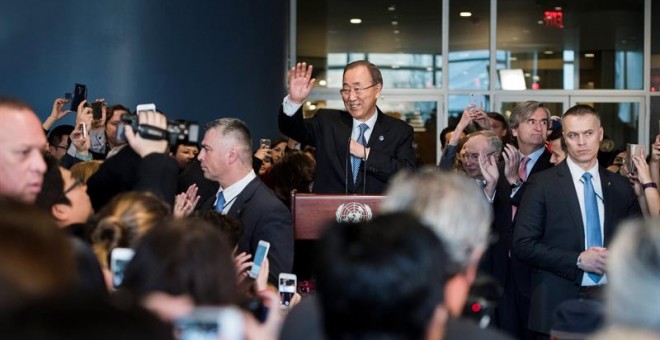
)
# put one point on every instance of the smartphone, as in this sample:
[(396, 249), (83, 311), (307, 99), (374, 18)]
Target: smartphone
[(97, 112), (475, 100), (119, 258), (83, 130), (211, 323), (633, 150), (79, 94), (287, 285), (145, 107), (260, 255), (264, 143)]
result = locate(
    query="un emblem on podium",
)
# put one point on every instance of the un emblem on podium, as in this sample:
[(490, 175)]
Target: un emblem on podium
[(353, 212)]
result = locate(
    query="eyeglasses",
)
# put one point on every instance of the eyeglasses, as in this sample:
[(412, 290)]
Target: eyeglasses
[(474, 156), (358, 92), (75, 184)]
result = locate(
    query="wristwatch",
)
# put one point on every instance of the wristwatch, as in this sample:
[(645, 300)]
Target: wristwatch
[(517, 183), (579, 261)]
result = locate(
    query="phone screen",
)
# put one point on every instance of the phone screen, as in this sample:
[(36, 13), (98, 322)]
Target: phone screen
[(119, 259), (259, 256), (211, 323), (287, 288), (79, 94)]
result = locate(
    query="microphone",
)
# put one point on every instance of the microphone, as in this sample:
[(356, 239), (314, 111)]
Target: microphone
[(364, 165), (346, 166)]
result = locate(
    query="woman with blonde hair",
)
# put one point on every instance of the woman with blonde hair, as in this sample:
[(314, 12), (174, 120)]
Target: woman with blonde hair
[(123, 221)]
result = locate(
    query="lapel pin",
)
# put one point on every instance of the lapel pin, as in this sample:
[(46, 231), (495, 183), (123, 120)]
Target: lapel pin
[(381, 138)]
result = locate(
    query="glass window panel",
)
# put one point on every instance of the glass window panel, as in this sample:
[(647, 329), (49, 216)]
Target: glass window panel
[(655, 47), (468, 44), (457, 104), (654, 128), (588, 44), (619, 121), (404, 39)]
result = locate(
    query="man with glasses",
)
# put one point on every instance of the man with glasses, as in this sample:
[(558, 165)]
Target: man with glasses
[(479, 159), (64, 196), (58, 140), (349, 144)]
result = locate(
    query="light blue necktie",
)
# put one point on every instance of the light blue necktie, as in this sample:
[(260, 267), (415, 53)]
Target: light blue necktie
[(594, 238), (220, 205), (356, 161)]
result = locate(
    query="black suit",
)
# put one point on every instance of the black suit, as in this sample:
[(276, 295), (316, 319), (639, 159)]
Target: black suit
[(264, 217), (549, 235), (513, 275), (391, 149)]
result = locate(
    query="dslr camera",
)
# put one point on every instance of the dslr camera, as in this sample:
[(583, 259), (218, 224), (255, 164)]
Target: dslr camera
[(177, 131)]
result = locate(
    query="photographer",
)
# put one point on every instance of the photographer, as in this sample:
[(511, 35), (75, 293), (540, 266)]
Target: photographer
[(145, 166)]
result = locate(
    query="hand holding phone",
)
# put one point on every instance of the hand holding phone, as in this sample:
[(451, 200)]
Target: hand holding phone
[(287, 285), (259, 256)]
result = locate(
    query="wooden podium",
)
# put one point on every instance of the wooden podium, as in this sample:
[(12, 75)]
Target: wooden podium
[(312, 212)]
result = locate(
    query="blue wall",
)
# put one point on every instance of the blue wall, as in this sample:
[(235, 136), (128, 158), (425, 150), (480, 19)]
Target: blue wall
[(197, 59)]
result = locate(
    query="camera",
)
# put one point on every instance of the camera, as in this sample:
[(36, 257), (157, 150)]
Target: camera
[(177, 131)]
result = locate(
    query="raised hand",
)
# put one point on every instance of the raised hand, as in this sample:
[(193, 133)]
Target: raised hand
[(143, 146), (185, 202), (84, 114), (488, 166), (300, 82), (58, 106), (511, 163)]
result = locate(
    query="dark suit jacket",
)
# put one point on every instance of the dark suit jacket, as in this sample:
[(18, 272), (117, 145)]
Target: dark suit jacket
[(126, 171), (264, 217), (549, 235), (391, 144)]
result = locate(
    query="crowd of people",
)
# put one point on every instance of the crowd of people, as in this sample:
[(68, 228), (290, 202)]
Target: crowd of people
[(570, 246)]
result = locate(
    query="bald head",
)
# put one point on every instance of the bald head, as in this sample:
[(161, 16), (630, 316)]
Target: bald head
[(22, 145)]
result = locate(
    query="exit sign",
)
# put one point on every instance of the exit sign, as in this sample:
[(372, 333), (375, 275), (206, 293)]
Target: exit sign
[(554, 19)]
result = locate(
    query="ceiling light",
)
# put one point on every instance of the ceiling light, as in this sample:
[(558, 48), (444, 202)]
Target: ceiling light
[(548, 52), (528, 75), (394, 23), (392, 8), (323, 82), (588, 55), (356, 21), (557, 8), (465, 14), (540, 22), (513, 58), (396, 32)]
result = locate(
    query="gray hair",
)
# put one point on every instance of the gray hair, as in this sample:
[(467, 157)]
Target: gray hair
[(239, 134), (524, 110), (494, 141), (453, 206), (634, 276)]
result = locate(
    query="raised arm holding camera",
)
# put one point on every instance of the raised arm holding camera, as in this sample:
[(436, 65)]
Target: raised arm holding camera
[(144, 166)]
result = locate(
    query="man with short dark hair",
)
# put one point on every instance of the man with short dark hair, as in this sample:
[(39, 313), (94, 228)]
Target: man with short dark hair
[(58, 140), (22, 147), (567, 218), (226, 158), (348, 141), (382, 279)]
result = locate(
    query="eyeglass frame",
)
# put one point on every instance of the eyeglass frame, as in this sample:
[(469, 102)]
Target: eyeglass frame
[(358, 91), (75, 184), (476, 158)]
